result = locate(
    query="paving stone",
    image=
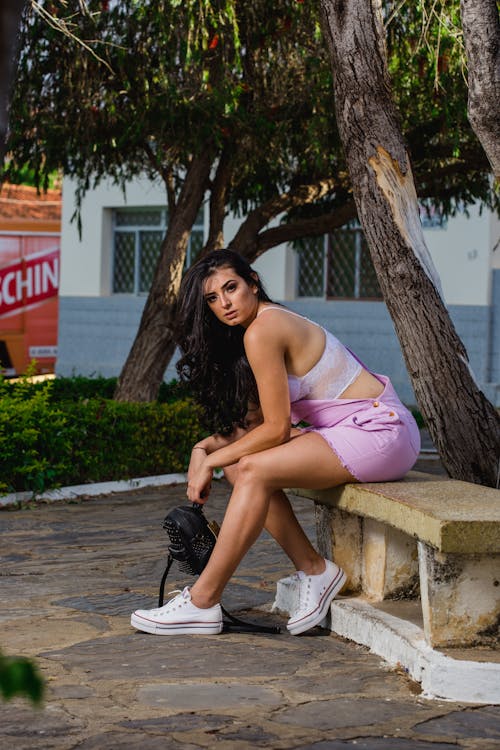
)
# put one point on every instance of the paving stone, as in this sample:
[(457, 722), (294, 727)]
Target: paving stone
[(252, 734), (184, 722), (477, 722), (133, 741), (203, 697), (106, 604), (344, 712), (377, 743), (13, 558), (209, 657), (71, 691), (340, 681), (18, 722), (96, 621)]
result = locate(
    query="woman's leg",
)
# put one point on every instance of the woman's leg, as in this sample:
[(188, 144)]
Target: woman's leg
[(305, 461), (283, 525)]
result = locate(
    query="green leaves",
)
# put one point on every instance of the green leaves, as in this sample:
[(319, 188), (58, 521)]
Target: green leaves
[(94, 89), (20, 676), (49, 439)]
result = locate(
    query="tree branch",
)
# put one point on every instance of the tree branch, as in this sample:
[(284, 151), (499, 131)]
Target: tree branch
[(262, 215), (218, 199), (314, 226), (166, 175)]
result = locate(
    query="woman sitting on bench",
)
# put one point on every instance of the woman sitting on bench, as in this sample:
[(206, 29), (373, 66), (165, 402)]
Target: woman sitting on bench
[(238, 349)]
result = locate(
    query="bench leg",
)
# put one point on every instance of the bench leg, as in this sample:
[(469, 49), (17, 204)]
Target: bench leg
[(460, 598), (390, 563), (340, 538), (379, 561)]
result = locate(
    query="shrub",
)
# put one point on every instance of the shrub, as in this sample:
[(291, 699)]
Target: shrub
[(79, 388), (33, 440), (47, 442)]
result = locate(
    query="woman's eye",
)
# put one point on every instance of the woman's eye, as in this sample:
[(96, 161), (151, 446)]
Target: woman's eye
[(231, 287)]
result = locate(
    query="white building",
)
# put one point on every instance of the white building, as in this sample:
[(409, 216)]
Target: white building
[(106, 272)]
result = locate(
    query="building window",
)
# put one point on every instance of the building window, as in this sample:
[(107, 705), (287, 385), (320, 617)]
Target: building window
[(351, 274), (337, 266), (311, 267), (137, 237)]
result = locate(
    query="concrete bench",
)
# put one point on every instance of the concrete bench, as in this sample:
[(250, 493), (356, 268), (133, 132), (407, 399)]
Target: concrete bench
[(425, 537)]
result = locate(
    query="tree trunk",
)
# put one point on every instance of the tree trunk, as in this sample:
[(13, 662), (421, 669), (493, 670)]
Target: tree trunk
[(10, 19), (481, 27), (154, 344), (463, 424)]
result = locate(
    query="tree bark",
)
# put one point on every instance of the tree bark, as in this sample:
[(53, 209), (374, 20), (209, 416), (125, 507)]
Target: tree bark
[(481, 27), (10, 19), (463, 424), (154, 343), (218, 199)]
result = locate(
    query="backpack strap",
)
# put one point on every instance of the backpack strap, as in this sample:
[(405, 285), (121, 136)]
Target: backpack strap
[(161, 594)]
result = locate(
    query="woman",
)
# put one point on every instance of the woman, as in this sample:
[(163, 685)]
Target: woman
[(240, 348)]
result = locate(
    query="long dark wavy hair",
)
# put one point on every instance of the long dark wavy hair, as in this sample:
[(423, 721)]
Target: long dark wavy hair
[(213, 360)]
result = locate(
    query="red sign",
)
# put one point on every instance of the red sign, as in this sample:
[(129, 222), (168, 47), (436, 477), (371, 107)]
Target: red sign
[(28, 282)]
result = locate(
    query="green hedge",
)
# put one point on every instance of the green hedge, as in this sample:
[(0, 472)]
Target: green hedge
[(79, 388), (48, 441)]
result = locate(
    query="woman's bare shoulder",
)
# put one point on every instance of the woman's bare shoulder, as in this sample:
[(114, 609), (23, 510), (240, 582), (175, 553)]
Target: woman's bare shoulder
[(265, 336)]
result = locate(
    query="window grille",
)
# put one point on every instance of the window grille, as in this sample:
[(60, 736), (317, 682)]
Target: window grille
[(351, 274), (311, 267), (337, 266), (137, 237)]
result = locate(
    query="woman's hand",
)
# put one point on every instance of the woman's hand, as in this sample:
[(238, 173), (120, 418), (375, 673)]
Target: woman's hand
[(199, 475), (199, 483)]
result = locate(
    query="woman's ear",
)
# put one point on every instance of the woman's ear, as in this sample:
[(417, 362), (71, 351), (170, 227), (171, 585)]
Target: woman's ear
[(255, 276)]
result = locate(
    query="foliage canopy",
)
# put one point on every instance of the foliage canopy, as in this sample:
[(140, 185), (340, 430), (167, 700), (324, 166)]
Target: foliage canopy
[(124, 87)]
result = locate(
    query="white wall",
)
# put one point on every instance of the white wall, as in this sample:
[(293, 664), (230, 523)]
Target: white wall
[(86, 261), (462, 252), (495, 240), (276, 266), (462, 255)]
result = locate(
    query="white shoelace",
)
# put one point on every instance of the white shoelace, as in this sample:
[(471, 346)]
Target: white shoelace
[(301, 577)]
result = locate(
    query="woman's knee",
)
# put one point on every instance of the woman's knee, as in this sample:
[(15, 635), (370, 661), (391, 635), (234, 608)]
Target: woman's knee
[(231, 473), (250, 470)]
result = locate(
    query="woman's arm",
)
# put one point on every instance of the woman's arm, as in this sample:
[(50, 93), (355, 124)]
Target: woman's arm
[(265, 347)]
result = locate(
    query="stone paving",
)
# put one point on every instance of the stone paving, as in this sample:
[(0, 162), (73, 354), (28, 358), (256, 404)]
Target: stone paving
[(70, 575)]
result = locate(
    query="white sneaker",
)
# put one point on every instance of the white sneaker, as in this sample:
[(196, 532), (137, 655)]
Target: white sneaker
[(179, 616), (315, 596)]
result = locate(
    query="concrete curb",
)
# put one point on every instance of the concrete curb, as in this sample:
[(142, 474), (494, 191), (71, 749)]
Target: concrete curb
[(401, 643), (93, 490)]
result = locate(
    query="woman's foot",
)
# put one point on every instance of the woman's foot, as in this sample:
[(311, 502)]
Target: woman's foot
[(316, 593), (179, 616)]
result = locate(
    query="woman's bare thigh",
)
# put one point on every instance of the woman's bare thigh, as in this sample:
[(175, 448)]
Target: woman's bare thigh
[(305, 461)]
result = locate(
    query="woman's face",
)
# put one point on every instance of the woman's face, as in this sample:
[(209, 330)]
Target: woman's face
[(231, 299)]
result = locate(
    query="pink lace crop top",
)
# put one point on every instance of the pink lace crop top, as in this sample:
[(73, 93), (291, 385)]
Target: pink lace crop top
[(335, 370)]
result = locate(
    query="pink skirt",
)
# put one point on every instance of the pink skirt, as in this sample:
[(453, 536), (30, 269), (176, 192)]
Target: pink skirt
[(377, 440)]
